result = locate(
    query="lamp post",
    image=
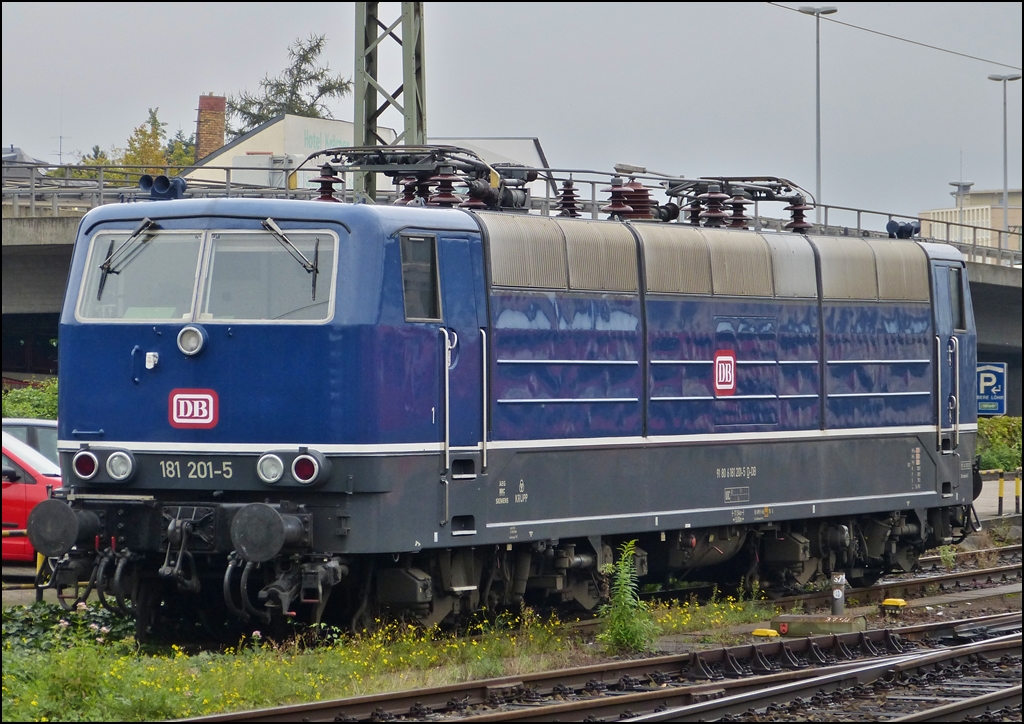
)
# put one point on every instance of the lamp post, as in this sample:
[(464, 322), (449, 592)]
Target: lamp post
[(817, 12), (1006, 190)]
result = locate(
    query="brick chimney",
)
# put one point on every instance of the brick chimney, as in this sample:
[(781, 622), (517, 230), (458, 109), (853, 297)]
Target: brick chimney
[(210, 125)]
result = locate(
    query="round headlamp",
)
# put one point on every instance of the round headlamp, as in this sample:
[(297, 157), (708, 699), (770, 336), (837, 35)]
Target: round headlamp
[(120, 465), (269, 468), (191, 340)]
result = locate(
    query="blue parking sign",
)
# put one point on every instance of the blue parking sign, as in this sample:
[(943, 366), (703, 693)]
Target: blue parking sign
[(992, 388)]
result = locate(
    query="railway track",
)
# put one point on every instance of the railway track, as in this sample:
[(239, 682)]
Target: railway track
[(922, 583), (632, 688), (947, 685)]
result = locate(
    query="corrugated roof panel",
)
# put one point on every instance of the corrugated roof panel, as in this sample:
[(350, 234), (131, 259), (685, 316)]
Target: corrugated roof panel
[(526, 251), (902, 269), (740, 263), (602, 255), (677, 259), (792, 266), (847, 268)]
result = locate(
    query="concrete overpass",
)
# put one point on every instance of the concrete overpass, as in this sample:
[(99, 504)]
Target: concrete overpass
[(37, 254)]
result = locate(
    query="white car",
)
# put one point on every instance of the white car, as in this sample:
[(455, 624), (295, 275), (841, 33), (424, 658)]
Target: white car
[(38, 434)]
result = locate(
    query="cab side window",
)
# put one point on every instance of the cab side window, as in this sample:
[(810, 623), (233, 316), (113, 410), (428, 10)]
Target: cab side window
[(419, 278), (956, 298)]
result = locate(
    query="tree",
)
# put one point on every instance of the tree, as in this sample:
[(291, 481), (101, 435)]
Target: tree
[(145, 147), (181, 150), (301, 89)]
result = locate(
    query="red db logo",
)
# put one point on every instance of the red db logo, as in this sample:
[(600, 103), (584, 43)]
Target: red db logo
[(725, 373), (195, 409)]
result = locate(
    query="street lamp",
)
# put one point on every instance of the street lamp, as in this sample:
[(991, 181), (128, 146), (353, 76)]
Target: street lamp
[(1006, 190), (817, 12)]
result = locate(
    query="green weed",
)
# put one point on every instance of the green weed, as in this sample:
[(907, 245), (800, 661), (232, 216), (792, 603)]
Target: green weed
[(629, 626)]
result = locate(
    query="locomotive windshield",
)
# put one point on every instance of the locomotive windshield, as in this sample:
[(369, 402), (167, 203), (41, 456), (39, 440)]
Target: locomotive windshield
[(242, 276), (155, 283), (251, 276)]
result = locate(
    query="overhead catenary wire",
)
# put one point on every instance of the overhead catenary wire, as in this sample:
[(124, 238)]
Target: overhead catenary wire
[(903, 40)]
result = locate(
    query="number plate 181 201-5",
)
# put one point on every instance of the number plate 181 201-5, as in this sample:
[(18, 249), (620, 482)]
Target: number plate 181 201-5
[(192, 469)]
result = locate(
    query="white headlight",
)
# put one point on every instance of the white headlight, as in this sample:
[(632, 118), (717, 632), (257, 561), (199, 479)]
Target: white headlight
[(270, 468), (119, 466), (190, 340)]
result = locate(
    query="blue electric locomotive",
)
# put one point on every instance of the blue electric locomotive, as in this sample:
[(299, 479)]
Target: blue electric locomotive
[(265, 403)]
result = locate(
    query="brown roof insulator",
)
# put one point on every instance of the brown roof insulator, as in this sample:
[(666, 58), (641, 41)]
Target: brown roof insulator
[(444, 195), (797, 209), (423, 190), (618, 206), (714, 214), (639, 197), (568, 199), (408, 196), (738, 219), (693, 213), (327, 178)]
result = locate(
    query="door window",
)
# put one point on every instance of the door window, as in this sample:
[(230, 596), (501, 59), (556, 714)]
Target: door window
[(419, 278), (956, 298)]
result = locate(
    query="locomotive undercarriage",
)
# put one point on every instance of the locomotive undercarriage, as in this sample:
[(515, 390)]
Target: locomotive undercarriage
[(191, 574)]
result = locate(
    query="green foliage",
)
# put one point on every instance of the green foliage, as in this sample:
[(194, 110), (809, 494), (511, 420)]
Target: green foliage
[(629, 626), (718, 614), (947, 554), (999, 442), (145, 146), (45, 626), (35, 401), (81, 679), (181, 150), (301, 89)]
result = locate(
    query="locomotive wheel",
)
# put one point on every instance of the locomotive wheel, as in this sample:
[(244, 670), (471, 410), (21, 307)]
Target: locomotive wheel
[(868, 578)]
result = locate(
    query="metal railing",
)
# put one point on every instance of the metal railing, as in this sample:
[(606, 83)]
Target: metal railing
[(45, 190)]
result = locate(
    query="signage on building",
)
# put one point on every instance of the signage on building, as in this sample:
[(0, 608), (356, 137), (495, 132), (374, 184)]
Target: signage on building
[(992, 388)]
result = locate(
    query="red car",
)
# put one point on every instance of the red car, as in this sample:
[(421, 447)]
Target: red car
[(26, 474)]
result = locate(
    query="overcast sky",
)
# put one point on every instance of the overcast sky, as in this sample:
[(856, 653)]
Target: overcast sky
[(690, 88)]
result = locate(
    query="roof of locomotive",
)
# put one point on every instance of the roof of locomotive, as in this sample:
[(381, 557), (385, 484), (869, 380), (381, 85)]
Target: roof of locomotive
[(384, 216), (282, 209)]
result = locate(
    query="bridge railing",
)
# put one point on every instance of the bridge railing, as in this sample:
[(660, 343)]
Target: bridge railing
[(70, 190)]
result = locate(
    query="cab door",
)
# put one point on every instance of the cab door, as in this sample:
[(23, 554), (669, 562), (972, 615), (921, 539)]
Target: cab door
[(953, 346), (464, 315)]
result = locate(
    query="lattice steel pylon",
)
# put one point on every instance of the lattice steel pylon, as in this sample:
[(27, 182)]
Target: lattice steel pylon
[(371, 31)]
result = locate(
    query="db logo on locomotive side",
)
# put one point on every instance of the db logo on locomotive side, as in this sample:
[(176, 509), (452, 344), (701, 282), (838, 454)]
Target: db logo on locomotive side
[(725, 373), (193, 409)]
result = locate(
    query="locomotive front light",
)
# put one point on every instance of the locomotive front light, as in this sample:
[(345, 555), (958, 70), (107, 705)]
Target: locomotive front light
[(120, 466), (305, 469), (269, 468), (85, 465), (191, 340)]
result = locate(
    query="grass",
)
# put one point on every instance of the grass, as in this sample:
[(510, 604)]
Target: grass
[(84, 665), (715, 618)]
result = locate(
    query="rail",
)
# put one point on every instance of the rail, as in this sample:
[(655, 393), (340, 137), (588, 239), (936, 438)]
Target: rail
[(36, 190), (607, 691)]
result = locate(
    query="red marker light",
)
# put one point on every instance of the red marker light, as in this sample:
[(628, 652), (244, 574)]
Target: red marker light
[(305, 468), (85, 465)]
